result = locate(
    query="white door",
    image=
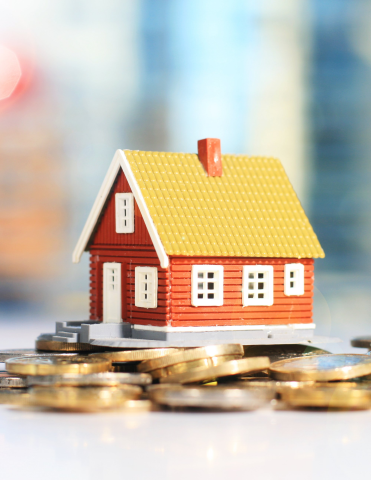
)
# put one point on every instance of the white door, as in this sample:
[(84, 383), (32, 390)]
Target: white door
[(111, 292)]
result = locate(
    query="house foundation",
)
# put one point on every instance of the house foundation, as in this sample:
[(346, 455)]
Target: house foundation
[(126, 335)]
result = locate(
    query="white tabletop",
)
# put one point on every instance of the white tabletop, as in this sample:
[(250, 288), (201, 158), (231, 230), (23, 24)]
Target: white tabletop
[(167, 445)]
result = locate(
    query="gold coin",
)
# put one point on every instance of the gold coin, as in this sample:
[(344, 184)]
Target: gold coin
[(191, 355), (361, 342), (83, 399), (137, 406), (281, 352), (105, 379), (234, 367), (275, 385), (222, 398), (53, 365), (53, 346), (136, 355), (14, 396), (186, 366), (328, 397), (124, 367), (322, 368)]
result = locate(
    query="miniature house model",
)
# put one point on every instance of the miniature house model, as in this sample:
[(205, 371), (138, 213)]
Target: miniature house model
[(200, 244)]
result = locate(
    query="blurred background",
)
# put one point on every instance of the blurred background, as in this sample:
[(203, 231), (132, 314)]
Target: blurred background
[(81, 78)]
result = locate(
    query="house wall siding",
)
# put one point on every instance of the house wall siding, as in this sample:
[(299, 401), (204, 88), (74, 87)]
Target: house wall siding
[(285, 309), (129, 259), (105, 232)]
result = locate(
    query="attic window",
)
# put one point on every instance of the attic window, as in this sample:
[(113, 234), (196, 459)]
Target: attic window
[(207, 285), (146, 281), (124, 212), (257, 285), (294, 279)]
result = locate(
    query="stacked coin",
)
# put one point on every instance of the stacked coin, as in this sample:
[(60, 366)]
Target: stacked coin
[(176, 364), (128, 360), (223, 377), (73, 382), (322, 381)]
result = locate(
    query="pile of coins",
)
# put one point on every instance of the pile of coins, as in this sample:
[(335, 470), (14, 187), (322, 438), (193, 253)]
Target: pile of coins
[(218, 377)]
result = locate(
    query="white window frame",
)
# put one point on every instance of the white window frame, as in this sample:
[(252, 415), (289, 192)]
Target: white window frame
[(294, 274), (248, 282), (146, 286), (124, 204), (217, 291)]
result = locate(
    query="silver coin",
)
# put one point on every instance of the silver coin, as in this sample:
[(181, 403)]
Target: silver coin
[(11, 381), (26, 352), (282, 352), (106, 379), (322, 368), (222, 398)]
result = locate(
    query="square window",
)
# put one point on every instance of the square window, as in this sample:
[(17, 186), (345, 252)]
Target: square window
[(259, 292), (207, 279)]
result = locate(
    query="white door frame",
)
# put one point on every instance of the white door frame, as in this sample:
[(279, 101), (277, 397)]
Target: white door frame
[(112, 292)]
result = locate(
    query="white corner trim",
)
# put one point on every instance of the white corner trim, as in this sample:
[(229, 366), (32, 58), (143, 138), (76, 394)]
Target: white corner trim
[(97, 208), (119, 160), (164, 259)]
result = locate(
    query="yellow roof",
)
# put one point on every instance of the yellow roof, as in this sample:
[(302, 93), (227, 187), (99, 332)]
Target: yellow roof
[(251, 211)]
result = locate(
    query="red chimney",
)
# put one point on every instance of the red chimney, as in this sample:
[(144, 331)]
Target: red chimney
[(210, 156)]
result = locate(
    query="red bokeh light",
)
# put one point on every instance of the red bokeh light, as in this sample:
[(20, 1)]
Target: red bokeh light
[(10, 72)]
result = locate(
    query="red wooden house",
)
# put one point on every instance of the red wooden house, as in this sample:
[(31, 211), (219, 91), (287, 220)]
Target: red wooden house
[(199, 243)]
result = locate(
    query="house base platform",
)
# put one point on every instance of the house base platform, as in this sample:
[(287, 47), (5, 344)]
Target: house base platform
[(126, 335)]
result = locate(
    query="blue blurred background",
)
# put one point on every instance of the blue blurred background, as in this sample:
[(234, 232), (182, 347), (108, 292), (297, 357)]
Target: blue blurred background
[(290, 79)]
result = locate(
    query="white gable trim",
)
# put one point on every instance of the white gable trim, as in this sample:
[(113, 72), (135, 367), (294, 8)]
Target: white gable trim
[(119, 160), (97, 208), (152, 230)]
